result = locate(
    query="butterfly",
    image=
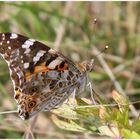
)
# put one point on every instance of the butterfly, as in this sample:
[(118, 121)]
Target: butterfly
[(42, 77)]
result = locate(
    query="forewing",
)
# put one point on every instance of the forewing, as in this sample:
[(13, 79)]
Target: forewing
[(27, 57)]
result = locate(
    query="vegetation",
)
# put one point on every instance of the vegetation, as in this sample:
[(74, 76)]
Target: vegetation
[(80, 30)]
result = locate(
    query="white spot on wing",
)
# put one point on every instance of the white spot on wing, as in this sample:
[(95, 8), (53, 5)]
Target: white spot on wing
[(13, 36), (36, 58), (9, 47), (52, 51), (38, 55), (41, 53), (27, 51), (0, 43), (28, 42), (8, 42), (26, 65), (55, 62), (25, 46)]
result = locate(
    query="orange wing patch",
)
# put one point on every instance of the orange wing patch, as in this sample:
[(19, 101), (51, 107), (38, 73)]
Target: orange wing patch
[(37, 69), (43, 68)]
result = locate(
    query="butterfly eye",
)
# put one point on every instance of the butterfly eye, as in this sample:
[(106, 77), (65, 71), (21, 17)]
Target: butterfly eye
[(31, 104)]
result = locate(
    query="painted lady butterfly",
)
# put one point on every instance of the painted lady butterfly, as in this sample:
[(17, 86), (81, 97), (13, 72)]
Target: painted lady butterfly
[(42, 77)]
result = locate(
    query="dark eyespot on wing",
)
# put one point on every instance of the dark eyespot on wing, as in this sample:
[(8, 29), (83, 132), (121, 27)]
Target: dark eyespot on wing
[(62, 64), (71, 73), (60, 84), (68, 78), (53, 84)]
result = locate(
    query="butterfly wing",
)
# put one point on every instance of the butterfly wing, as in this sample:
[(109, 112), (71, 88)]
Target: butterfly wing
[(27, 57), (42, 77)]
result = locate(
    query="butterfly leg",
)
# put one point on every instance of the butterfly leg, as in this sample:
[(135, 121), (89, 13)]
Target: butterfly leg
[(71, 100), (67, 101), (91, 92)]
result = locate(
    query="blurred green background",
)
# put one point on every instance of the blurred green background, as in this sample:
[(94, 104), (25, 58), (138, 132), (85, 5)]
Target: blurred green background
[(70, 28)]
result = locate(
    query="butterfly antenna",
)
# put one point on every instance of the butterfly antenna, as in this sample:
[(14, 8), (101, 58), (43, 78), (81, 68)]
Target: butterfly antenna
[(94, 25), (95, 21)]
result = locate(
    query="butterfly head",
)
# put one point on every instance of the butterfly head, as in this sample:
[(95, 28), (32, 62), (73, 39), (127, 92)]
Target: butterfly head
[(86, 66)]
